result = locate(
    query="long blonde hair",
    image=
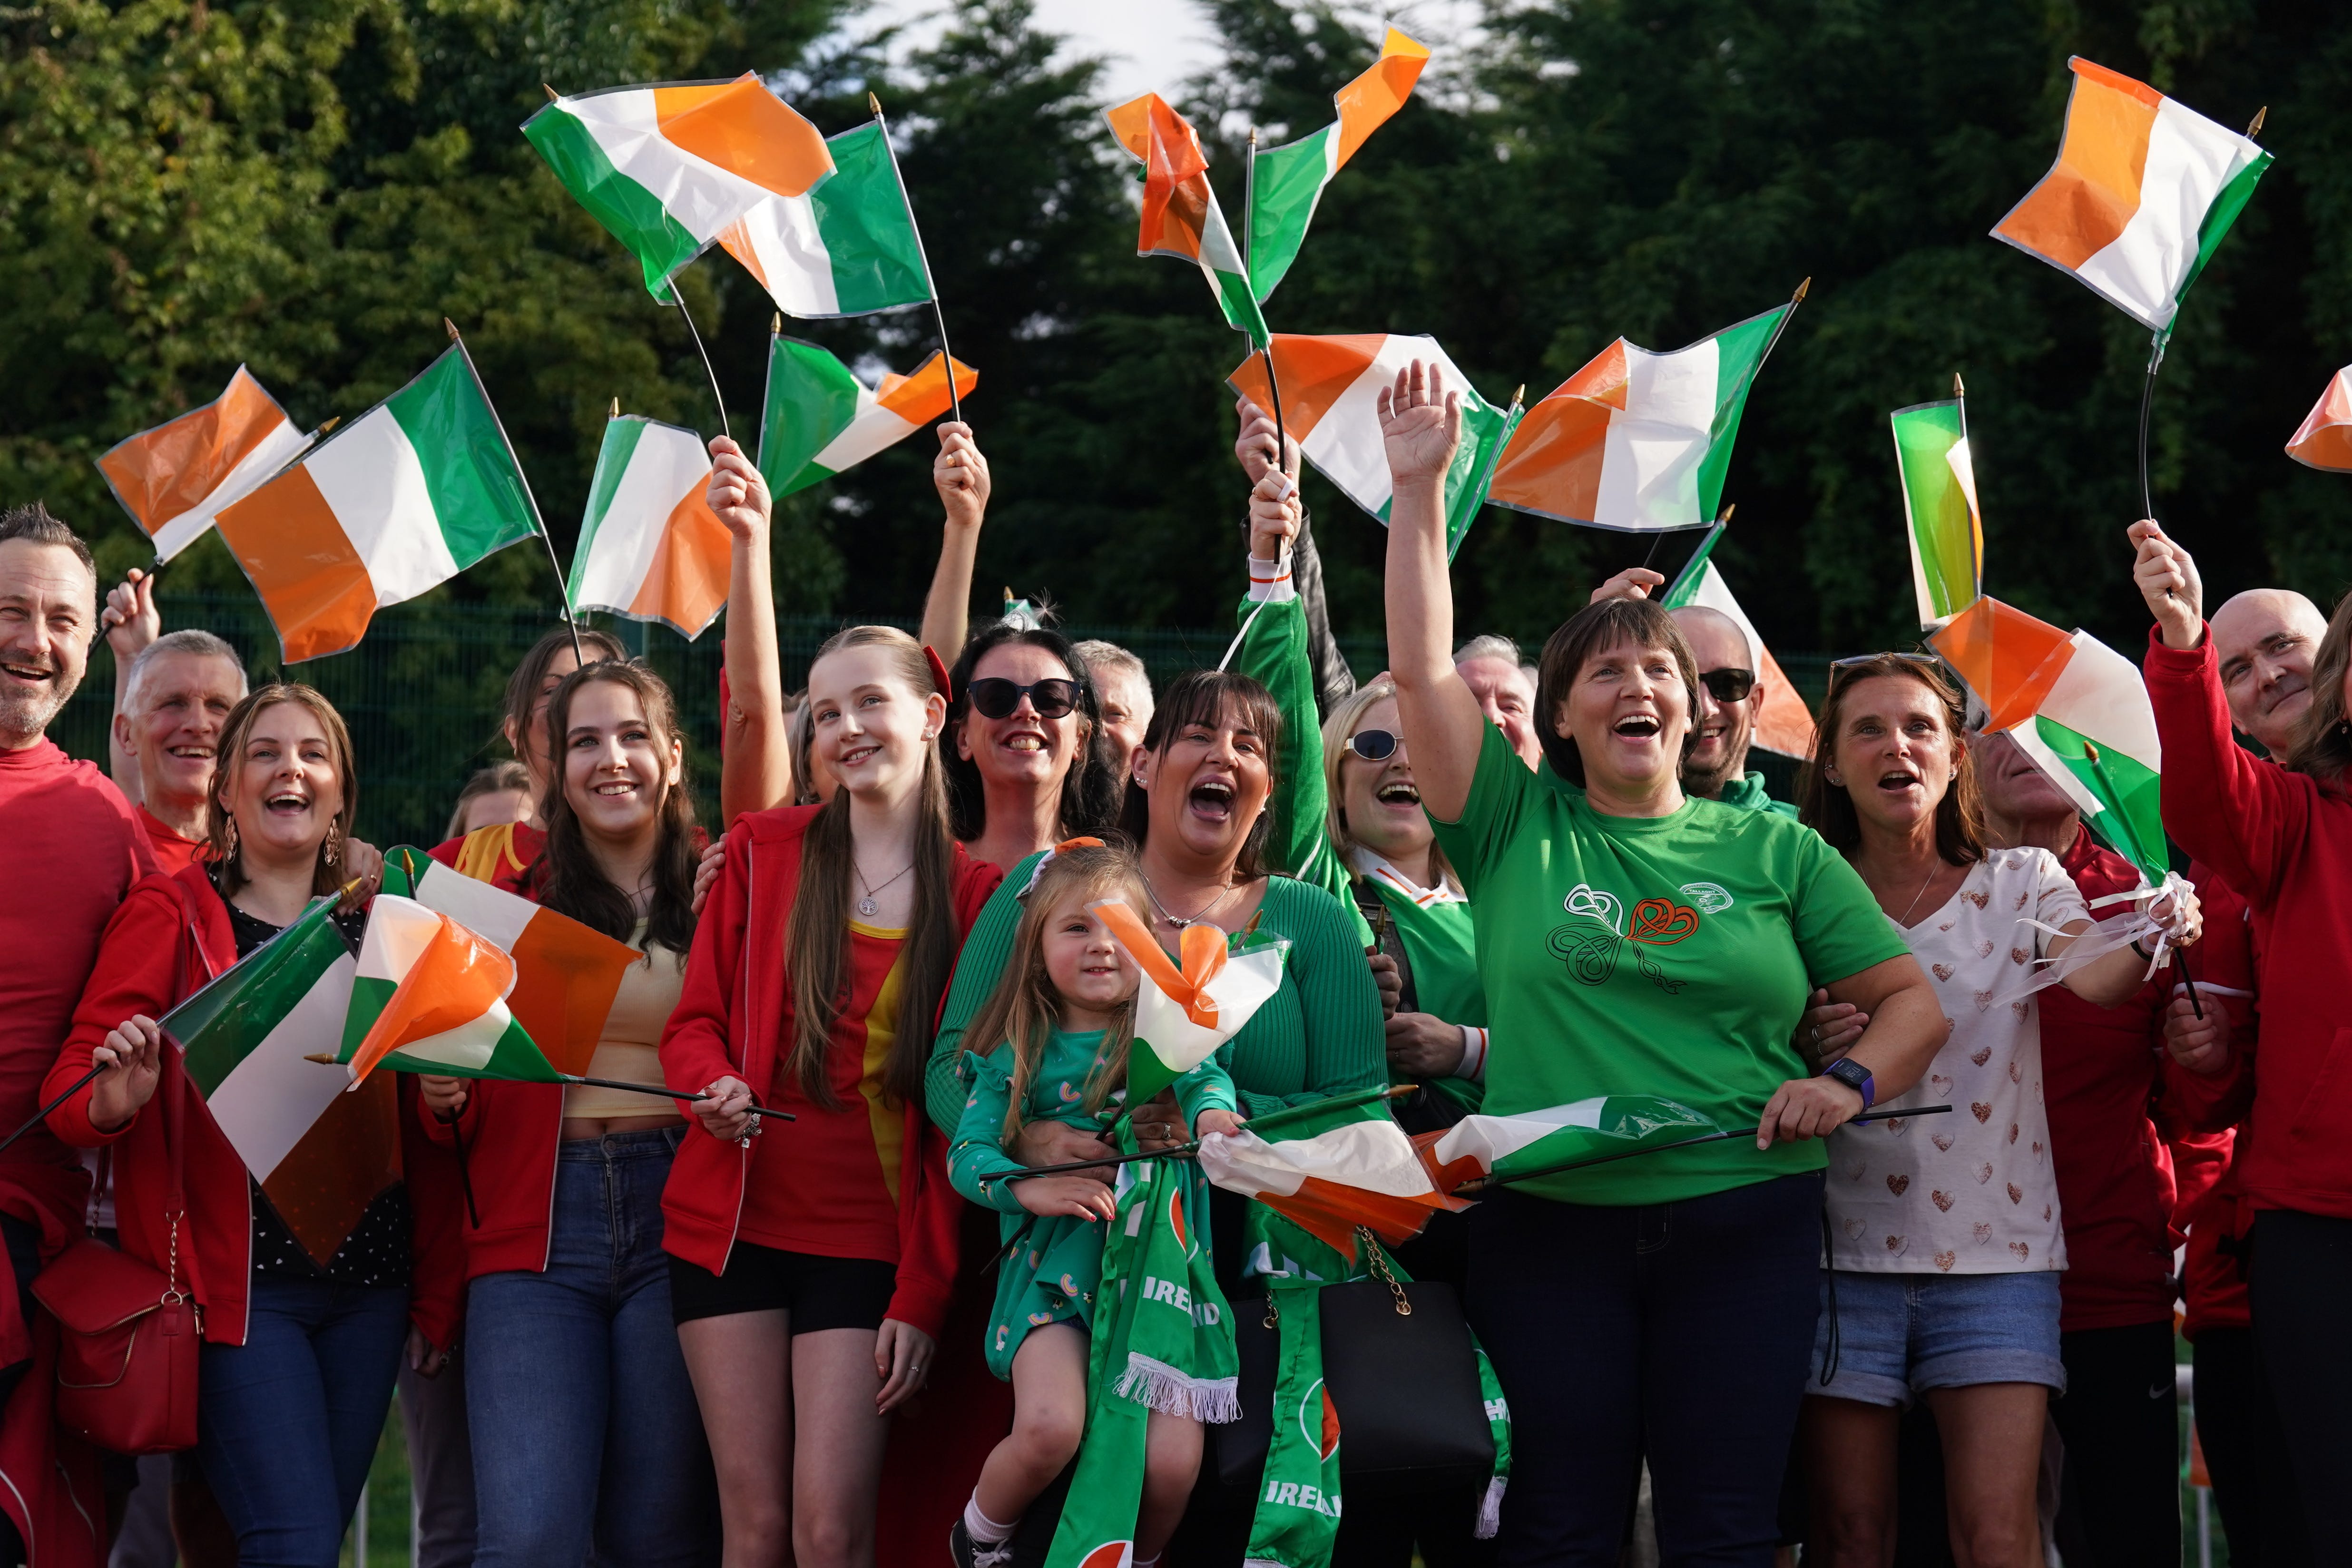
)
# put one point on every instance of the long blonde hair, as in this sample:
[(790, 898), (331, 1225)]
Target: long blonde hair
[(2323, 744), (1337, 731), (816, 936), (1023, 1010)]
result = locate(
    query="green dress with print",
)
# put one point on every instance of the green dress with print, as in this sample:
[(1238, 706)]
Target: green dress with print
[(1051, 1275)]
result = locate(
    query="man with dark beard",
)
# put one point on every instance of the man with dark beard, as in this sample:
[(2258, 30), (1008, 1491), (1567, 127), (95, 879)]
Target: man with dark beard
[(74, 848)]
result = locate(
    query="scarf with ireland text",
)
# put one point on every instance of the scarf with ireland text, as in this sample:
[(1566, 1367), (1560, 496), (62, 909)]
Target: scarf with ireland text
[(1162, 1340), (1299, 1501)]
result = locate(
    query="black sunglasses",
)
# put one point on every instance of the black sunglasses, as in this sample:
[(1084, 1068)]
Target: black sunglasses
[(1374, 745), (993, 696), (1728, 685)]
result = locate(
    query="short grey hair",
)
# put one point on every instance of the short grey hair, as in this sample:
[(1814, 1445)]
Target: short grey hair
[(1490, 644), (1099, 656), (192, 642)]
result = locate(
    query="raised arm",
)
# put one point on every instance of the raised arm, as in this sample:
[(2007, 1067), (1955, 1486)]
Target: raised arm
[(756, 772), (131, 621), (1420, 423), (961, 475)]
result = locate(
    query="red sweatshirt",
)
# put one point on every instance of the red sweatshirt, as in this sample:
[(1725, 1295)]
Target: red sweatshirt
[(170, 937), (2284, 844), (2102, 1069), (75, 850), (2214, 1210), (822, 1177)]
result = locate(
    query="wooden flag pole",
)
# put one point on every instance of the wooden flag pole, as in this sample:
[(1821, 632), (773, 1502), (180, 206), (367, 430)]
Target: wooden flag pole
[(939, 314)]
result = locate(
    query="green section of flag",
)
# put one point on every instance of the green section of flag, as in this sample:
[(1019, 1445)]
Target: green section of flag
[(478, 495), (1684, 589), (2130, 819), (812, 398), (1625, 1122), (1285, 185), (220, 1026), (868, 228), (2216, 221), (1740, 354), (1935, 508), (633, 214)]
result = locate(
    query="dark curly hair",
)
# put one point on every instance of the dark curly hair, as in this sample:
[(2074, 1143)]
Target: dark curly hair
[(1090, 789)]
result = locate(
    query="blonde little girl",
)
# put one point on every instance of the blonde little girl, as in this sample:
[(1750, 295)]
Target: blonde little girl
[(1060, 1023)]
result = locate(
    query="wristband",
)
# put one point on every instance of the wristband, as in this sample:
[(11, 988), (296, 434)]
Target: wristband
[(1855, 1076), (1472, 1065)]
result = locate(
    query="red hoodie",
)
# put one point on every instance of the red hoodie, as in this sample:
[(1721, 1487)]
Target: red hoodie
[(170, 937), (2213, 1211), (2284, 844), (735, 1014)]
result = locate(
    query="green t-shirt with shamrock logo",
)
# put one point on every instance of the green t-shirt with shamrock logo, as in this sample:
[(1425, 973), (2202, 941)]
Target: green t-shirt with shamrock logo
[(1666, 955)]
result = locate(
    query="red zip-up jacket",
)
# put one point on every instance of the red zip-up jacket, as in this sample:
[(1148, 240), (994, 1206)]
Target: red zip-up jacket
[(171, 935), (2284, 844), (2214, 1213), (736, 1014)]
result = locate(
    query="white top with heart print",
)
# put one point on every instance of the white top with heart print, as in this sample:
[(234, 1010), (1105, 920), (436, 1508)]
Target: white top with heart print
[(1970, 1192)]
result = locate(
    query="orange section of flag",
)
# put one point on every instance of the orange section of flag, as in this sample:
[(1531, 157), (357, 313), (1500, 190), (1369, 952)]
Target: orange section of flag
[(685, 583), (1554, 460), (566, 976), (2083, 202), (456, 979), (745, 129), (163, 473), (1783, 723), (1175, 191), (1367, 103), (1201, 947), (303, 566), (1315, 374), (2323, 440), (921, 396), (2009, 659), (1330, 1212), (350, 1155)]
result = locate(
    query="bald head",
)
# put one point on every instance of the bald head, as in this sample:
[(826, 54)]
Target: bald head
[(1715, 638), (2263, 641)]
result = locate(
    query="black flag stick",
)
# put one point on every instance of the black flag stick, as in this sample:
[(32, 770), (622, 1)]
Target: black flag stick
[(1479, 1185), (955, 403), (41, 1115), (562, 587)]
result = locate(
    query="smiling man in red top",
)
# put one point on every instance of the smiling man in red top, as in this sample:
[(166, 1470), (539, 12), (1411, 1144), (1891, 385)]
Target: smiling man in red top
[(177, 697), (75, 850)]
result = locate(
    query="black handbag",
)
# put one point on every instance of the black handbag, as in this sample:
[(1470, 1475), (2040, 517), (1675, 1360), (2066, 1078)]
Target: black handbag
[(1403, 1376)]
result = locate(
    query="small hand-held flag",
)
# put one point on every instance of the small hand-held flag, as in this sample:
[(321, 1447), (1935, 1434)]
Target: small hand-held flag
[(820, 419), (650, 547), (1181, 214), (2323, 440), (1287, 182), (1940, 504), (1183, 1015), (1783, 724), (176, 478)]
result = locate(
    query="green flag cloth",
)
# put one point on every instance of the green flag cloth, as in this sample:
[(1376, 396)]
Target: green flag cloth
[(818, 419), (1162, 1340), (1287, 182), (1940, 508)]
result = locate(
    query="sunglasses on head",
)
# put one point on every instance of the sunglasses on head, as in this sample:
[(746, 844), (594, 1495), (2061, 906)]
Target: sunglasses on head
[(1841, 668), (1728, 685), (993, 696), (1374, 745)]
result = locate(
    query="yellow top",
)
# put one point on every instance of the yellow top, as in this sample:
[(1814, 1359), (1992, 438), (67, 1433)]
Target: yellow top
[(888, 1123), (628, 1051)]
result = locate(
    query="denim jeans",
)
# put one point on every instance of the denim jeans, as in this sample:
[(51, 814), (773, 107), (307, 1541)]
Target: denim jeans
[(584, 1427), (287, 1422), (1676, 1331)]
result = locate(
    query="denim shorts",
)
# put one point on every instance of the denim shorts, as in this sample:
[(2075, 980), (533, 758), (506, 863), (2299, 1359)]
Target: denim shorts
[(1899, 1335)]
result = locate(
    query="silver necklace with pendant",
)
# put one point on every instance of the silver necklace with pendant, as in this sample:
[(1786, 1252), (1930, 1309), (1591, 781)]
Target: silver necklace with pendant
[(866, 905), (1181, 922)]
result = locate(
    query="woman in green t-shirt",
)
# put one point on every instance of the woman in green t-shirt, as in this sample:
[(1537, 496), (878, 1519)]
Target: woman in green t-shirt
[(1634, 940)]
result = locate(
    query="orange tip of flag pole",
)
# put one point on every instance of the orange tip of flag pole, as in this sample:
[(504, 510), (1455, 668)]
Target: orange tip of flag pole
[(324, 1058), (333, 421)]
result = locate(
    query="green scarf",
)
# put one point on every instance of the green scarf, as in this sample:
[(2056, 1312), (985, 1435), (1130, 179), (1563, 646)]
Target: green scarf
[(1162, 1340), (1298, 1518)]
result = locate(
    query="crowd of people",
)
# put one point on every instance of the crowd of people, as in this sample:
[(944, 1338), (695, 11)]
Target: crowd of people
[(632, 1332)]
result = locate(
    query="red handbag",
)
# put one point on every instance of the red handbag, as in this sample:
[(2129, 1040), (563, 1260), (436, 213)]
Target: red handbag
[(127, 1357)]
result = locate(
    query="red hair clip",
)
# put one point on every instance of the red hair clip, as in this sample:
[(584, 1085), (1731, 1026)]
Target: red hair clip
[(939, 673)]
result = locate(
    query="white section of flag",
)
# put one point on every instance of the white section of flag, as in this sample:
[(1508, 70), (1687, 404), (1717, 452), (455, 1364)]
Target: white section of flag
[(2100, 696), (372, 480), (872, 429), (1346, 442), (2190, 158), (1373, 1155), (495, 915), (1491, 1139), (281, 446), (666, 467), (701, 197), (1647, 467), (269, 1101)]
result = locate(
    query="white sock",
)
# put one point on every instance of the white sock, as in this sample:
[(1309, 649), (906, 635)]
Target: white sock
[(981, 1528)]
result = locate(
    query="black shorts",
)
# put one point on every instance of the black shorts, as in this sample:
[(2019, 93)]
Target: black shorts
[(818, 1292)]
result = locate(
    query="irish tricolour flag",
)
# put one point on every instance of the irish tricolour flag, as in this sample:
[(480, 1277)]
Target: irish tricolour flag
[(320, 1156), (2081, 711), (820, 419), (1329, 1167), (669, 169), (1287, 182), (1637, 440), (431, 997), (1183, 1013), (2323, 440), (1331, 392), (2141, 193), (1181, 214), (846, 247), (1529, 1142), (1940, 504), (650, 547), (400, 500), (176, 478), (565, 974), (1783, 723)]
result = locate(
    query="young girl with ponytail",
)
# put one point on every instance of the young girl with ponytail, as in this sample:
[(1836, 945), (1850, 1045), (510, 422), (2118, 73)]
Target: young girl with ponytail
[(812, 1261)]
